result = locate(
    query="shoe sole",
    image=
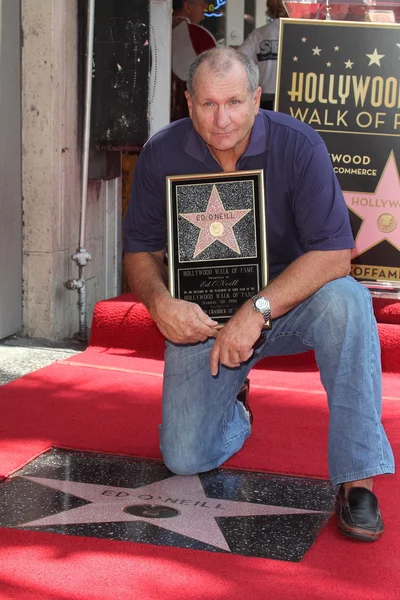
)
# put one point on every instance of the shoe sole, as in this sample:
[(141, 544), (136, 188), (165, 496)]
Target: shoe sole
[(357, 533)]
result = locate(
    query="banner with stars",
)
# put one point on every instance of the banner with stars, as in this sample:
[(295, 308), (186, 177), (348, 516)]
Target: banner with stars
[(343, 79)]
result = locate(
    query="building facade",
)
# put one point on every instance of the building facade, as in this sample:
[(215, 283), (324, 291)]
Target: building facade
[(40, 177), (41, 124)]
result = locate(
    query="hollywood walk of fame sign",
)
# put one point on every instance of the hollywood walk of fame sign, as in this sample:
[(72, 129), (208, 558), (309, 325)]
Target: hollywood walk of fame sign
[(217, 246), (350, 93)]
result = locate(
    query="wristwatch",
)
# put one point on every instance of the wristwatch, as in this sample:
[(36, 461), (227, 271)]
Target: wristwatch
[(261, 304)]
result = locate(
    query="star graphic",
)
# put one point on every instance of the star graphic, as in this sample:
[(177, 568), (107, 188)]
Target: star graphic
[(295, 58), (349, 64), (375, 58), (329, 64), (215, 223), (336, 48), (316, 50), (193, 513), (303, 39), (380, 210)]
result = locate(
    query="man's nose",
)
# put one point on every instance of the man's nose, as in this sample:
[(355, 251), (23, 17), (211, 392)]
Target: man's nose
[(222, 117)]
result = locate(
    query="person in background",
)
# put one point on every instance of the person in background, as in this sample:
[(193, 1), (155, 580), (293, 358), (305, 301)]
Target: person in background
[(191, 11), (262, 47), (189, 39), (310, 301)]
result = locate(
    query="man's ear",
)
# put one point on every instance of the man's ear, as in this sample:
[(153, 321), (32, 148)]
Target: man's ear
[(257, 99), (189, 102)]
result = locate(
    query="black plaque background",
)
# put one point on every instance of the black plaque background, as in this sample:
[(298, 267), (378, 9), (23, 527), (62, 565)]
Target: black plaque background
[(345, 137), (208, 280)]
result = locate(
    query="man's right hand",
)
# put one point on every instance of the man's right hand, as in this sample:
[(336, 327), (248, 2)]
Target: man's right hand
[(183, 322)]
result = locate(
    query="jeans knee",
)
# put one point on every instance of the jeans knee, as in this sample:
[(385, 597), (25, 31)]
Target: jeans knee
[(180, 466), (342, 301), (181, 463), (182, 456)]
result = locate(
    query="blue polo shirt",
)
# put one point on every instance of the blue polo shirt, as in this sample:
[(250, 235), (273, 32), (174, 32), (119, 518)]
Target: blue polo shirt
[(304, 204)]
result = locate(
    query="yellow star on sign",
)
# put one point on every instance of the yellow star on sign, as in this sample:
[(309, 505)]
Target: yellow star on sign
[(375, 58)]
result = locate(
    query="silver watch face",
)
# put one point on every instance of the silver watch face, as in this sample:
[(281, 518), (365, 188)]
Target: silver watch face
[(261, 304)]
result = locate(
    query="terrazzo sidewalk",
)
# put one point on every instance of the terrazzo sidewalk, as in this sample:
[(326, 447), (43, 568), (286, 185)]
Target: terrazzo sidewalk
[(20, 355)]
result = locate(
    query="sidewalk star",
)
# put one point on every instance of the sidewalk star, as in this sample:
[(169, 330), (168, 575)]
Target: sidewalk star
[(177, 504)]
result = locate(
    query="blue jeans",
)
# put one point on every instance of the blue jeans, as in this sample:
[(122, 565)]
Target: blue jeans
[(203, 424)]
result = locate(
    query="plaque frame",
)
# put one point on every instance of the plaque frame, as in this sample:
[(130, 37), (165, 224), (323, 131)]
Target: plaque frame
[(230, 266)]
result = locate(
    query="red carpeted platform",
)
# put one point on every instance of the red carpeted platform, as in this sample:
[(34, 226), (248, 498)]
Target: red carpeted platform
[(108, 399), (125, 323)]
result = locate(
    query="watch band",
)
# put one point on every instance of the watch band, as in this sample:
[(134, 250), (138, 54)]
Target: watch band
[(261, 305)]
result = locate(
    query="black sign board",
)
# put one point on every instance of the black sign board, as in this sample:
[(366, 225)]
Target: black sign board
[(342, 78), (217, 247)]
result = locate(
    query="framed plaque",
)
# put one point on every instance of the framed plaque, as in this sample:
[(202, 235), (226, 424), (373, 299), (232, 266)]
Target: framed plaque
[(217, 239)]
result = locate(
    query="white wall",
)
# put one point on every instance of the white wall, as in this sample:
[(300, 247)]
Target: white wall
[(160, 75), (51, 167)]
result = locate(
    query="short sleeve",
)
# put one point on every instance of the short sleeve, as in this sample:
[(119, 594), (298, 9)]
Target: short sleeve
[(321, 214), (145, 228)]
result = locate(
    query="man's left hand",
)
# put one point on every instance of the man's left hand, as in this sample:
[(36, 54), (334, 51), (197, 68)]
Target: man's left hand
[(234, 342)]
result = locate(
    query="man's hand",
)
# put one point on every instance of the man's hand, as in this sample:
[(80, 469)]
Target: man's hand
[(183, 322), (234, 343)]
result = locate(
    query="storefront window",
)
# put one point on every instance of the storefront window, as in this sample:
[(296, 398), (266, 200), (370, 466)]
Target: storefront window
[(215, 18)]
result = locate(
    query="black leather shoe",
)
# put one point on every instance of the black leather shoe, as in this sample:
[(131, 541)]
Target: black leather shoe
[(243, 398), (358, 514)]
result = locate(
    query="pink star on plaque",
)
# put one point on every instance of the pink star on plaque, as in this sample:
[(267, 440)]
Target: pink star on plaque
[(215, 223), (380, 210)]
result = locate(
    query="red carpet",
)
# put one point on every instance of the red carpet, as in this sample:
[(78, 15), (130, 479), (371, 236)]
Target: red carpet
[(124, 323), (108, 399)]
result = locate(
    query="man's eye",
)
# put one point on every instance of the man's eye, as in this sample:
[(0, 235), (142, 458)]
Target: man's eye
[(207, 103), (234, 101)]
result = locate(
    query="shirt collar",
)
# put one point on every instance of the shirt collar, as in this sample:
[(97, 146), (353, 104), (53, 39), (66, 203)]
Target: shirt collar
[(195, 146)]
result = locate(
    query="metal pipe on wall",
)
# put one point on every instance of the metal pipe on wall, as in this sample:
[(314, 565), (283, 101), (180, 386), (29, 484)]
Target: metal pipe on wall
[(82, 256)]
